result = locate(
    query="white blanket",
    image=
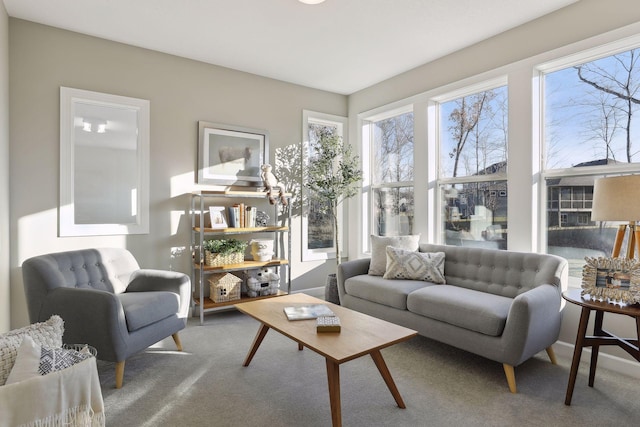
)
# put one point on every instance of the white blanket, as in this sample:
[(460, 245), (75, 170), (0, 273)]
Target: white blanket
[(69, 397)]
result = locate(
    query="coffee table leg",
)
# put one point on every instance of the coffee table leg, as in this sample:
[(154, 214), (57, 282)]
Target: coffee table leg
[(333, 377), (256, 343), (577, 352), (386, 375)]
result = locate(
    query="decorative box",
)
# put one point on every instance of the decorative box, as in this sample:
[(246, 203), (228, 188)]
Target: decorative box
[(224, 287)]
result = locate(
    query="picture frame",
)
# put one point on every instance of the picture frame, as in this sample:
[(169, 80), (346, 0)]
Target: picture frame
[(231, 155), (614, 279), (218, 217)]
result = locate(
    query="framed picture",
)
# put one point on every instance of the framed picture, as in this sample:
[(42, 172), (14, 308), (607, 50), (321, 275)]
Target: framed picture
[(218, 217), (231, 155), (616, 279)]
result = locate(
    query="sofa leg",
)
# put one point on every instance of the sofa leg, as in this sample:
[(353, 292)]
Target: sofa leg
[(176, 339), (119, 374), (511, 377), (552, 355)]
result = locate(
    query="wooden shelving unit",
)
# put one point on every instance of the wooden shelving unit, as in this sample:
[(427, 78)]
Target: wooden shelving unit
[(200, 200)]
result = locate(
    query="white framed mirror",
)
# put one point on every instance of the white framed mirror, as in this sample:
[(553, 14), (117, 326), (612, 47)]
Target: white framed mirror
[(104, 164)]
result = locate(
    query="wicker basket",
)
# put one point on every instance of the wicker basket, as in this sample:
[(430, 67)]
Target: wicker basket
[(224, 287), (216, 260)]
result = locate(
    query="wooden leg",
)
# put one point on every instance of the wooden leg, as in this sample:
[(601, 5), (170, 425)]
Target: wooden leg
[(119, 374), (511, 377), (176, 339), (386, 375), (577, 353), (333, 377), (552, 355), (300, 347), (256, 343), (595, 348)]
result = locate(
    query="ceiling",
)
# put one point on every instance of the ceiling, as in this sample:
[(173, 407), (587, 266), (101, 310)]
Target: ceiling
[(340, 46)]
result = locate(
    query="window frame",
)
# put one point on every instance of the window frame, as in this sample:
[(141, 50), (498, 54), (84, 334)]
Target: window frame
[(341, 123)]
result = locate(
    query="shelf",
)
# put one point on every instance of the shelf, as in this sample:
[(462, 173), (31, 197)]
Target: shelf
[(232, 193), (209, 304), (236, 230), (248, 264)]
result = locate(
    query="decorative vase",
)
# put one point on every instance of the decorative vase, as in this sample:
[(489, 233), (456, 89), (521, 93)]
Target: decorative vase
[(261, 249), (331, 289)]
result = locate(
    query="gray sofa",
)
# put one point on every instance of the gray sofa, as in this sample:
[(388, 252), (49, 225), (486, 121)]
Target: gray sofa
[(502, 305), (107, 301)]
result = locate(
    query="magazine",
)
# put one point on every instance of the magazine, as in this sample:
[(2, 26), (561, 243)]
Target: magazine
[(312, 311)]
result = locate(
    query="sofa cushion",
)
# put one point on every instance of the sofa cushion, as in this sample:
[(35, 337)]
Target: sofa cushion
[(392, 293), (402, 264), (477, 311), (144, 308), (378, 264)]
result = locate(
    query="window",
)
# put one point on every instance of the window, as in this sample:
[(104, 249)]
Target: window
[(473, 167), (318, 237), (391, 194), (590, 130)]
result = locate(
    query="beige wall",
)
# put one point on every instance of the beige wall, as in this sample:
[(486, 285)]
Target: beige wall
[(181, 92), (4, 170), (514, 54)]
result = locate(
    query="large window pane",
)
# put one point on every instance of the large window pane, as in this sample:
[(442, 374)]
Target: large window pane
[(475, 214), (590, 112), (393, 211), (393, 149), (473, 134)]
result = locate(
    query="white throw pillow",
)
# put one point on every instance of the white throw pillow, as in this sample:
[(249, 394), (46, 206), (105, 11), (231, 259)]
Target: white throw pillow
[(378, 264), (27, 361), (403, 264)]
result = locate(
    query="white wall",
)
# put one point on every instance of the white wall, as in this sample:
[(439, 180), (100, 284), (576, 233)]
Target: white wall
[(515, 53), (181, 93), (4, 170)]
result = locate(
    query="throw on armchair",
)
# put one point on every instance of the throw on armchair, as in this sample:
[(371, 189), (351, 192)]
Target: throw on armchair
[(107, 301)]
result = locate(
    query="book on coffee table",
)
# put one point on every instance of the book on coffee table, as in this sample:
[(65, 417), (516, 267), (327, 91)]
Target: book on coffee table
[(311, 311)]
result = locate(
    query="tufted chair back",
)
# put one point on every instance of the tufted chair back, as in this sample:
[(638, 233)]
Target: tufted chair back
[(107, 269), (504, 273)]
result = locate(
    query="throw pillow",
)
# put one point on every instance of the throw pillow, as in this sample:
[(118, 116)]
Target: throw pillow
[(27, 361), (56, 359), (403, 264), (47, 334), (378, 264)]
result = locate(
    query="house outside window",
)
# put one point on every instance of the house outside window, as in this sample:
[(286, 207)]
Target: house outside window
[(391, 193), (473, 167), (590, 129)]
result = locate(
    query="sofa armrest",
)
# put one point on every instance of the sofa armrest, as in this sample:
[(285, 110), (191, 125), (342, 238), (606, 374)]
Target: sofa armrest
[(533, 323), (145, 280), (86, 311), (349, 269)]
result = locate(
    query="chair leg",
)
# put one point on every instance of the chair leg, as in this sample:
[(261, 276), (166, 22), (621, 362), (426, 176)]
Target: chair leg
[(511, 377), (119, 374), (552, 355), (176, 339)]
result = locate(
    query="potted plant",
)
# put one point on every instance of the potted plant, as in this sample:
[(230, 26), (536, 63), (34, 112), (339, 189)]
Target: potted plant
[(332, 176), (224, 251)]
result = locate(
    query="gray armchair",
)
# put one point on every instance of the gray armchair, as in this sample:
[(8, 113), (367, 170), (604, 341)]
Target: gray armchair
[(107, 301)]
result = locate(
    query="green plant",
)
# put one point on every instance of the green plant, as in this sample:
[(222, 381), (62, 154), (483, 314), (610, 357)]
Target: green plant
[(225, 246), (332, 176)]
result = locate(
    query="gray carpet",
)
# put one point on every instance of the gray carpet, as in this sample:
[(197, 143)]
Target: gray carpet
[(206, 385)]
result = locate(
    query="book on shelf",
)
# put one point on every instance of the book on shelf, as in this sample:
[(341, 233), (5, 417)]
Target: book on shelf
[(312, 311), (234, 216)]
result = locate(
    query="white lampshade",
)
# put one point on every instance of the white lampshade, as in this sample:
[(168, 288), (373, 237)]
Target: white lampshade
[(616, 198)]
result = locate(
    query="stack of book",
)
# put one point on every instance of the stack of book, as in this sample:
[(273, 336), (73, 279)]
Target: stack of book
[(242, 216)]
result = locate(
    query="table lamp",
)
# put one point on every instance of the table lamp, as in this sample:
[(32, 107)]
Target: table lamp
[(617, 198)]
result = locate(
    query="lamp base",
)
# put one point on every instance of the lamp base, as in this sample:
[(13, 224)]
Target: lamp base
[(633, 244)]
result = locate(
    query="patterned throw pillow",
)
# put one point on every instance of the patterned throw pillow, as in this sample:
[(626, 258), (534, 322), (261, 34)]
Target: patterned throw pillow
[(55, 359), (47, 334), (403, 264), (378, 263)]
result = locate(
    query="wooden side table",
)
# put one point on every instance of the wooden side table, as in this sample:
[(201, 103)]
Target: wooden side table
[(600, 336)]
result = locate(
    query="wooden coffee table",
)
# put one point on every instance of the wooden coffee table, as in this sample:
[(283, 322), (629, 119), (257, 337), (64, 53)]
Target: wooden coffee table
[(360, 335)]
